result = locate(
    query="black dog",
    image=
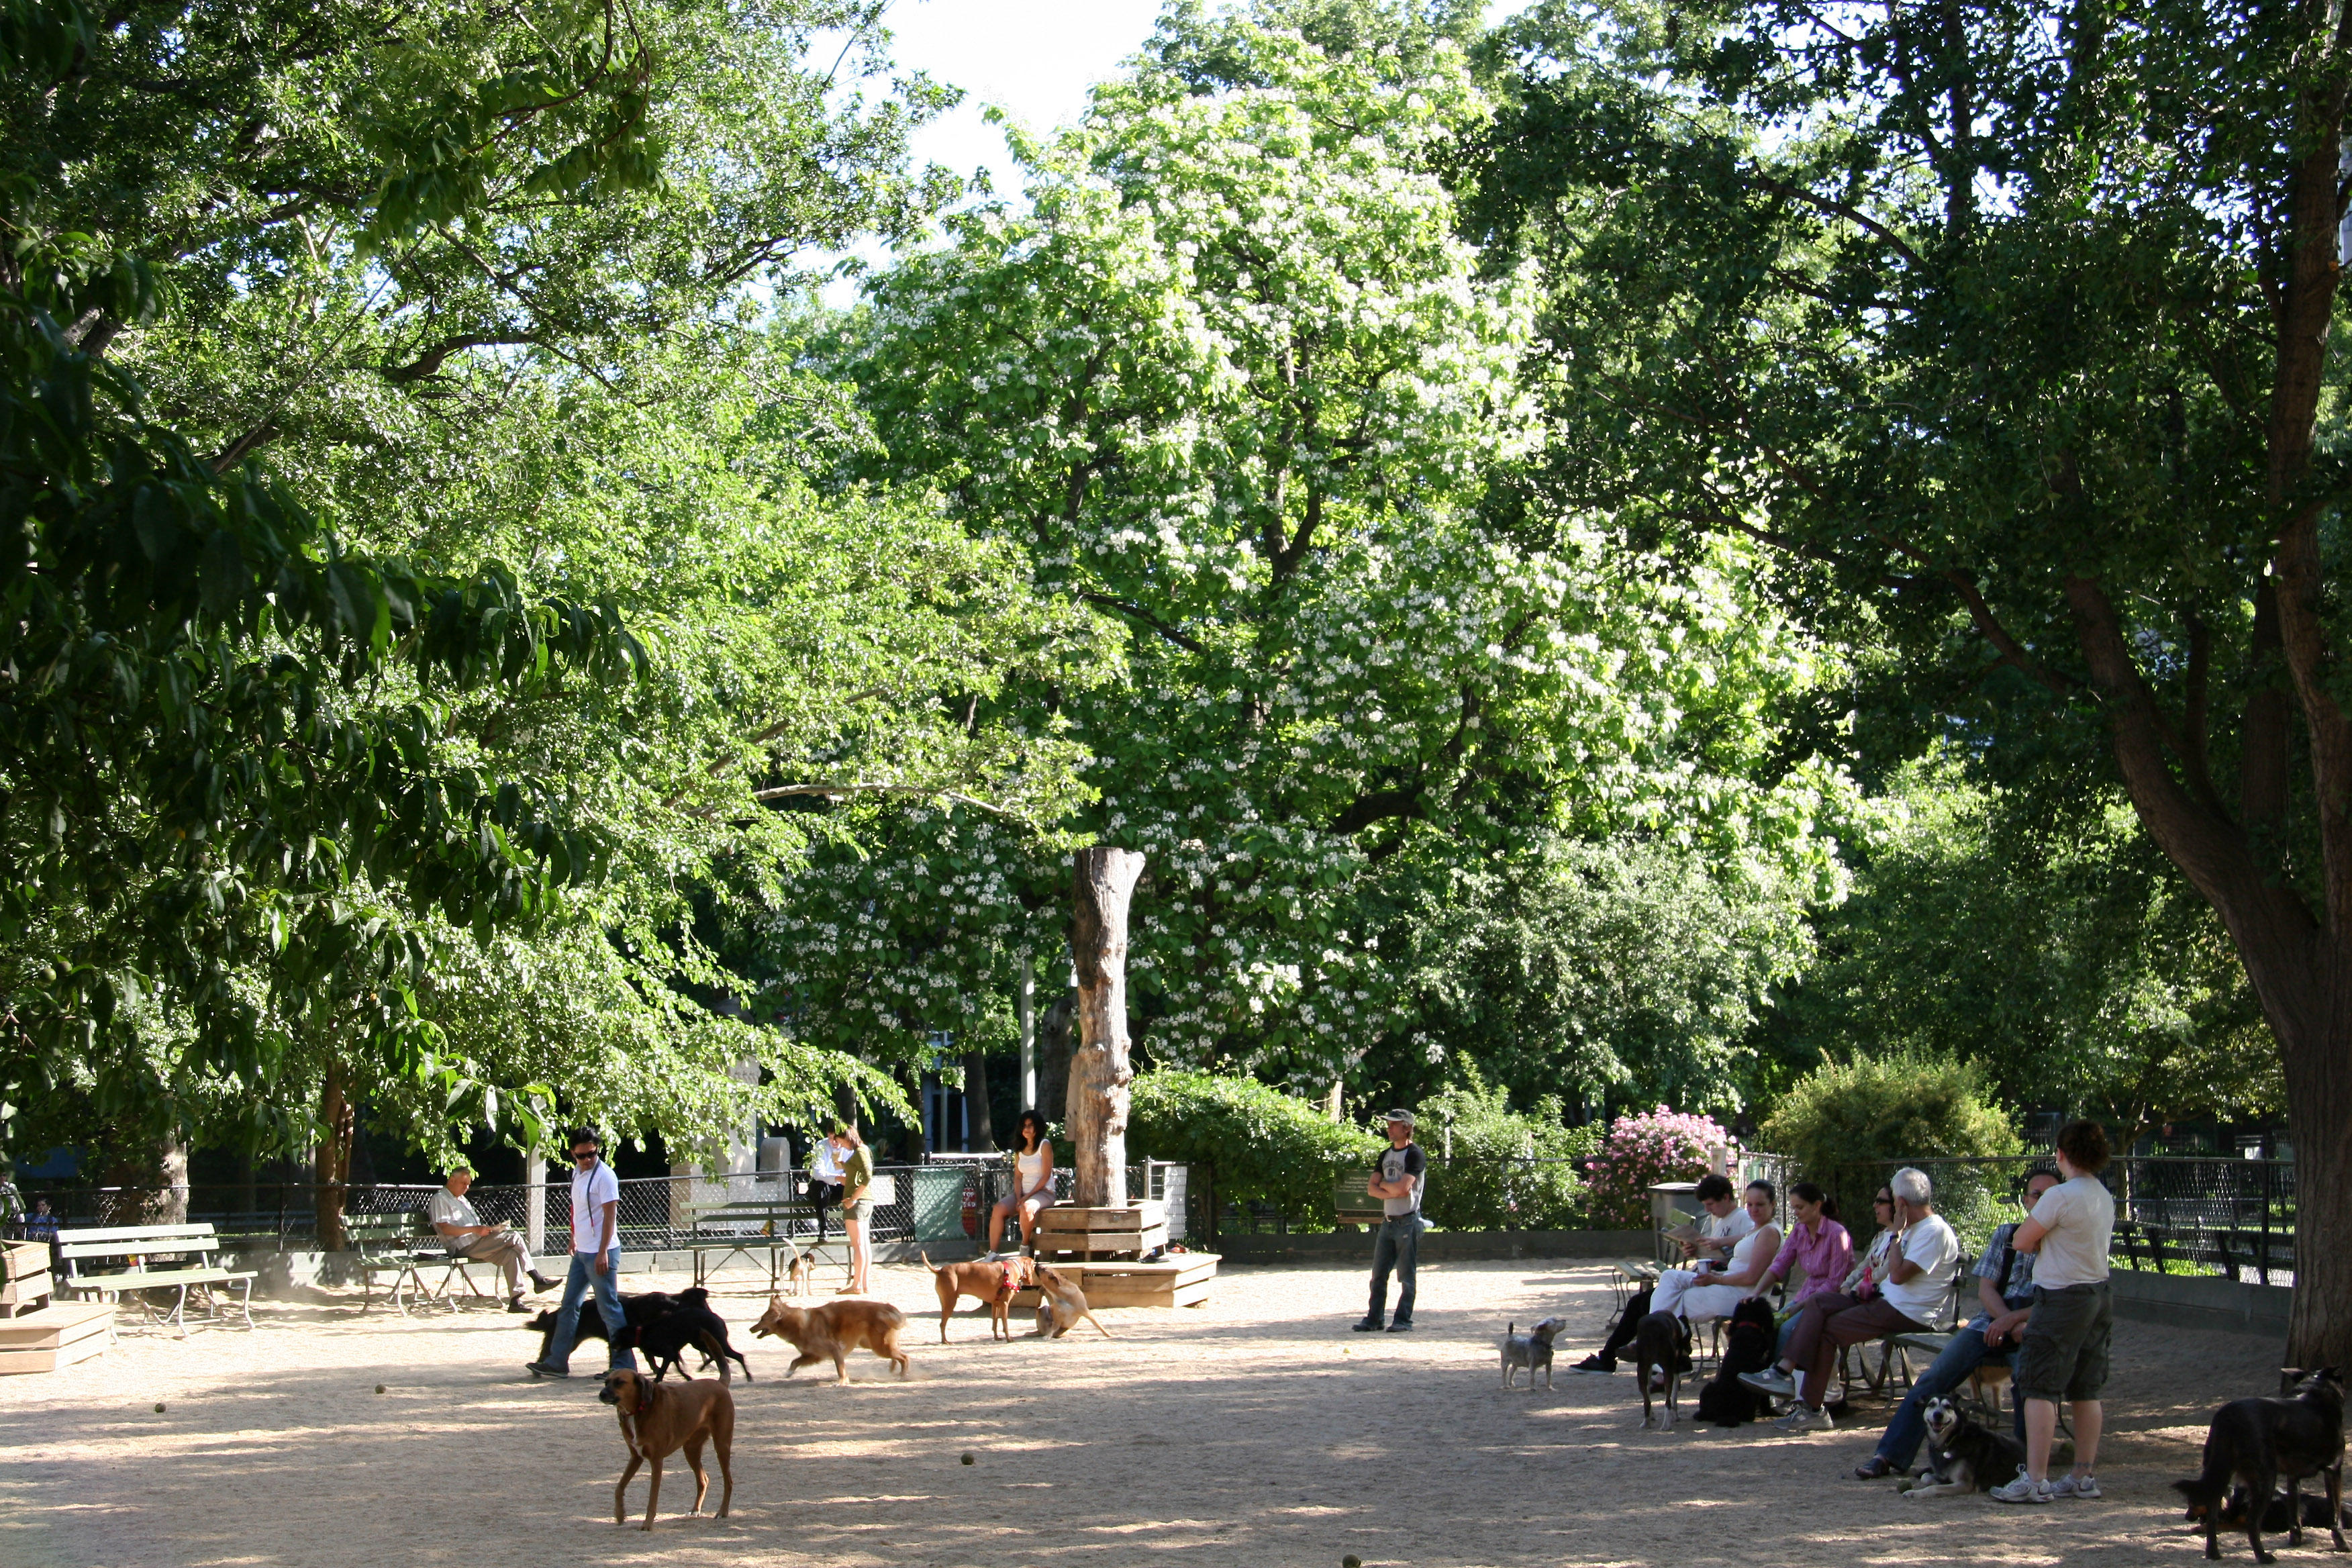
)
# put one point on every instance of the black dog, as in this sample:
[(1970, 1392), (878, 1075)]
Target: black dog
[(1660, 1349), (2275, 1518), (640, 1309), (688, 1322), (1748, 1346), (1964, 1455), (2257, 1441)]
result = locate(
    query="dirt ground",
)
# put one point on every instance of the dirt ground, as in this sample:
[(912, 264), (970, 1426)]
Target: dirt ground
[(1253, 1430)]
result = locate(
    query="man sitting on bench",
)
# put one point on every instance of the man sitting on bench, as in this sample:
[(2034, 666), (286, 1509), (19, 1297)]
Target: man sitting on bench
[(469, 1238)]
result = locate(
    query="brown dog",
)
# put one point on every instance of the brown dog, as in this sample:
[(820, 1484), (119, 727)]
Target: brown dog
[(656, 1420), (995, 1281), (834, 1330), (1069, 1303)]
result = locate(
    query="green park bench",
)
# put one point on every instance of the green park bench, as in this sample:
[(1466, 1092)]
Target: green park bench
[(110, 1262)]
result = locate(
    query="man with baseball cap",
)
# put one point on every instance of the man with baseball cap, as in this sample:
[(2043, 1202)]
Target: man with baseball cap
[(1397, 1181)]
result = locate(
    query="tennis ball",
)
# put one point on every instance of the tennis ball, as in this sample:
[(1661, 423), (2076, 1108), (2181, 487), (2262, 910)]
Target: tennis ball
[(967, 1459), (158, 1407), (1351, 1561), (378, 1388)]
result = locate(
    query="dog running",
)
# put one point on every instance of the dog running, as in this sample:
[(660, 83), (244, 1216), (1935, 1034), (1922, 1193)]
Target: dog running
[(657, 1421), (832, 1331), (2256, 1442), (1530, 1350), (1963, 1454)]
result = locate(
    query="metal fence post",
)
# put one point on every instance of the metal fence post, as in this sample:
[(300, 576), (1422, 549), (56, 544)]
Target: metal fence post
[(534, 1208)]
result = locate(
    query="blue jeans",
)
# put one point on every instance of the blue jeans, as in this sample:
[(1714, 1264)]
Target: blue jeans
[(1900, 1444), (1399, 1247), (577, 1284)]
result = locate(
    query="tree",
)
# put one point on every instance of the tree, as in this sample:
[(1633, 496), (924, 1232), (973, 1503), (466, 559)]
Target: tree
[(1233, 380), (2009, 323)]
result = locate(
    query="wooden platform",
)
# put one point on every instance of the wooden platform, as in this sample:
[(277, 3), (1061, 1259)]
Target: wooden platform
[(25, 1283), (57, 1335), (1068, 1231), (1181, 1280)]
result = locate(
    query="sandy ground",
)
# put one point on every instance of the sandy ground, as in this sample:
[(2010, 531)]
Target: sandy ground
[(1255, 1430)]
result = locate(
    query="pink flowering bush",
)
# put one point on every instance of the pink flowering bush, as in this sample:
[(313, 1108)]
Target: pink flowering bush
[(1659, 1145)]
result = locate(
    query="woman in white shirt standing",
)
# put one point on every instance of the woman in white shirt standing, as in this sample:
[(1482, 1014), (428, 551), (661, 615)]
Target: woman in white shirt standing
[(1033, 1181), (2063, 1352)]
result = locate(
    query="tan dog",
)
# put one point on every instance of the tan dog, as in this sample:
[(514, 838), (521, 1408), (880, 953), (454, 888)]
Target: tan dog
[(1068, 1303), (994, 1280), (656, 1420), (834, 1330)]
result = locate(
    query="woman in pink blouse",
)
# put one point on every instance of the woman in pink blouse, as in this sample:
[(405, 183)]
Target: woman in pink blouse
[(1816, 1242)]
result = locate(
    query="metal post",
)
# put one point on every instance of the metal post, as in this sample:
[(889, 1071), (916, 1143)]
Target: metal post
[(1024, 1003), (2262, 1258), (534, 1207)]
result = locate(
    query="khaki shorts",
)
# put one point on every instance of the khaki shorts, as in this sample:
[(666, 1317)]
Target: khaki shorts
[(2064, 1354), (860, 1211)]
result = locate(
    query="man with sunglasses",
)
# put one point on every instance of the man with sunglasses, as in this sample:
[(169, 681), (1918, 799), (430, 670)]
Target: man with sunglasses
[(596, 1261)]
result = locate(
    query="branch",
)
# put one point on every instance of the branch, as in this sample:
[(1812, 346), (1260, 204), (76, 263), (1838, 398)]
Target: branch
[(1860, 219), (1989, 626), (1181, 639), (835, 791), (428, 363)]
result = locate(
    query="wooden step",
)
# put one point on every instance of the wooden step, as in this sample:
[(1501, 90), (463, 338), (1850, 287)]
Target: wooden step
[(1140, 1215), (1182, 1280), (59, 1334)]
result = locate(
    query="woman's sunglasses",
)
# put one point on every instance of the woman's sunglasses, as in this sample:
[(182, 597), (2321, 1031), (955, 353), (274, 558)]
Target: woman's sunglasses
[(1882, 1202)]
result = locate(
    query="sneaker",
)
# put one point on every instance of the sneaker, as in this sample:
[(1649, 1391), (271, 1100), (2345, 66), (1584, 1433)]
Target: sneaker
[(2075, 1485), (1596, 1363), (535, 1370), (1776, 1382), (2024, 1488), (1402, 1326), (1365, 1326), (1805, 1418)]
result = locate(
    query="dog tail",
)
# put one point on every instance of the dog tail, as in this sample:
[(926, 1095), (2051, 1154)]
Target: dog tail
[(2212, 1484), (926, 1260)]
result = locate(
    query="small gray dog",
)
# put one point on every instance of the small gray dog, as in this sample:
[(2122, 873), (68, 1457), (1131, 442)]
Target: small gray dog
[(1530, 1350)]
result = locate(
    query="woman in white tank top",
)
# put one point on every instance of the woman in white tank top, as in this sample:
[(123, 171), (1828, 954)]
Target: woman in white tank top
[(1033, 1181), (1714, 1293)]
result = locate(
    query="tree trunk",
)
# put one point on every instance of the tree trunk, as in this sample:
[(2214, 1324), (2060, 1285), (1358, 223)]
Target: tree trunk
[(1053, 1056), (153, 1175), (975, 1100), (1335, 1103), (1099, 1072), (331, 1158)]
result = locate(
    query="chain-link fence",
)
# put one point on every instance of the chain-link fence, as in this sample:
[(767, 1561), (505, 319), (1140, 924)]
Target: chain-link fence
[(936, 1201)]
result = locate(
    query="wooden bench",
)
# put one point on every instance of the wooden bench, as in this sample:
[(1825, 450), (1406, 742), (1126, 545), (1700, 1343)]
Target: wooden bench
[(136, 1249), (721, 1233)]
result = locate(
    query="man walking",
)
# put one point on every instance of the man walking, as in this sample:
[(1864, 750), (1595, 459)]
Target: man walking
[(596, 1261), (1398, 1182), (469, 1238)]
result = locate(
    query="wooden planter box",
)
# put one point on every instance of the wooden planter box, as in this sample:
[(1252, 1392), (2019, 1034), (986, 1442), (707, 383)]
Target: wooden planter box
[(23, 1277), (1182, 1280), (55, 1336), (1069, 1231)]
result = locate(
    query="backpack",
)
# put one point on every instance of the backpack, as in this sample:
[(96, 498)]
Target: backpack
[(1748, 1344)]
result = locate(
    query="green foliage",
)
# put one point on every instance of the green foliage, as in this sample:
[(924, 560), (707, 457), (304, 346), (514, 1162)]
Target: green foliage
[(1847, 1120), (1246, 1142), (1492, 1168)]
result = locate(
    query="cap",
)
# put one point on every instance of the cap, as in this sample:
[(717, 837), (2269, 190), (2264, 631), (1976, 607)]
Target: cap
[(1404, 1116)]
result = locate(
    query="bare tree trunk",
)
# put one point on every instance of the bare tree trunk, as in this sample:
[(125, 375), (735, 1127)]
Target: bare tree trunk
[(975, 1100), (1099, 1072), (330, 1160), (154, 1176), (1334, 1103)]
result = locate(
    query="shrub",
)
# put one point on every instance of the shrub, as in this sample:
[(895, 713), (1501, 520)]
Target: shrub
[(1246, 1142), (1850, 1124), (1659, 1145), (1488, 1183)]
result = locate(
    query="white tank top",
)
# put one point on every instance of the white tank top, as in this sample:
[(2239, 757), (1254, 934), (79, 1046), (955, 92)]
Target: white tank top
[(1031, 1169), (1741, 1254)]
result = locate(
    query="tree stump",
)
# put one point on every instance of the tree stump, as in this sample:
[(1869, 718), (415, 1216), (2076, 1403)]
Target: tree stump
[(1099, 1070)]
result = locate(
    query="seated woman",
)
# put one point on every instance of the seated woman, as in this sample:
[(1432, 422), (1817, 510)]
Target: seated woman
[(1033, 1183), (1817, 1244), (1706, 1290), (1857, 1283)]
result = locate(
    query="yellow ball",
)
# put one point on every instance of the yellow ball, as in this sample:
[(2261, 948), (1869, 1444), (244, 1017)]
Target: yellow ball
[(967, 1459), (378, 1388), (158, 1407), (1351, 1561)]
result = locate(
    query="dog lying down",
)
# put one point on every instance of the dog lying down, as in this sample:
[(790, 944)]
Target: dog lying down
[(1963, 1454), (2255, 1444), (1530, 1350)]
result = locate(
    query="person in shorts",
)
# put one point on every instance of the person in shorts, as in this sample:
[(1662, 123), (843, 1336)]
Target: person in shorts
[(2063, 1352)]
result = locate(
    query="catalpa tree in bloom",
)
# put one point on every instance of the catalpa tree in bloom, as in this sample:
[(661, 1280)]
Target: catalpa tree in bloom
[(1233, 379)]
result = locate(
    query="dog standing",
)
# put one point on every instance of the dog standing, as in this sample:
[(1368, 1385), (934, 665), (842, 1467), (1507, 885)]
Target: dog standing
[(1069, 1303), (1660, 1349), (1530, 1350), (995, 1281), (639, 1309), (656, 1422), (2257, 1441), (689, 1321), (1963, 1455), (834, 1330)]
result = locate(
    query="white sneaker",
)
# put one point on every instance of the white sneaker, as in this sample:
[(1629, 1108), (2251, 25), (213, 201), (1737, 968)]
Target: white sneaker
[(1805, 1418), (1776, 1382), (2075, 1485), (2024, 1488)]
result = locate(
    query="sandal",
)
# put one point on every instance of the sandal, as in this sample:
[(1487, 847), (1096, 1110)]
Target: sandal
[(1873, 1468)]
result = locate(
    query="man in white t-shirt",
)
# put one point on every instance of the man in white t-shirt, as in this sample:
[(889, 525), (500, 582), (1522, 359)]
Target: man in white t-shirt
[(465, 1236), (596, 1261), (1910, 1299)]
